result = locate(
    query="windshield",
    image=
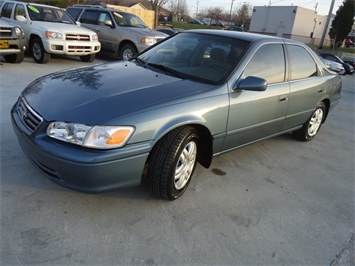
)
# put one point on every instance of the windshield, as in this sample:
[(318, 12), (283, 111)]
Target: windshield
[(49, 14), (201, 57), (128, 20)]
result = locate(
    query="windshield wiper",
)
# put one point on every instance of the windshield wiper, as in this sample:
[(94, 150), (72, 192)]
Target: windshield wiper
[(169, 70), (140, 61)]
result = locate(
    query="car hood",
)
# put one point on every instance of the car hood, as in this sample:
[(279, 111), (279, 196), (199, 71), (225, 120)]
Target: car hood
[(60, 27), (146, 32), (100, 94)]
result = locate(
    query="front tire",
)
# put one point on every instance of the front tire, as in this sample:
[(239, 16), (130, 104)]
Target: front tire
[(14, 58), (38, 53), (312, 126), (172, 163), (127, 52), (87, 58)]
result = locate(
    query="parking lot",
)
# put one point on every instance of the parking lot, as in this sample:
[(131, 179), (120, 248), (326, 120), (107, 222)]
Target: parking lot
[(279, 201)]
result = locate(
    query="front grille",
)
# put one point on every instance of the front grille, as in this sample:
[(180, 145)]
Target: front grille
[(5, 32), (77, 37), (79, 49), (28, 116)]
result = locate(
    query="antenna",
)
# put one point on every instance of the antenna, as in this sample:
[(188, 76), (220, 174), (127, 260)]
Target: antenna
[(315, 8)]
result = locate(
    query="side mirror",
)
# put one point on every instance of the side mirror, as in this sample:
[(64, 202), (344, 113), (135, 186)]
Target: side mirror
[(78, 23), (252, 84), (21, 18), (108, 23)]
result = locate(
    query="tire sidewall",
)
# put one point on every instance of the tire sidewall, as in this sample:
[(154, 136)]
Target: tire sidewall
[(44, 55), (173, 193), (307, 136)]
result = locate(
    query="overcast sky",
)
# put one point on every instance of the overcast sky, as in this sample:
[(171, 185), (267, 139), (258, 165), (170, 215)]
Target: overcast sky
[(322, 7)]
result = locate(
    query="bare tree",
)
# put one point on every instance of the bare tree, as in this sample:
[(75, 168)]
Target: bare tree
[(179, 9), (243, 15), (156, 5), (215, 13)]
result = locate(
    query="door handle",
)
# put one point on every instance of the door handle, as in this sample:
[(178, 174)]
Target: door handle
[(283, 98)]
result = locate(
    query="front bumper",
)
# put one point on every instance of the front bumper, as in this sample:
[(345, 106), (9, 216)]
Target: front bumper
[(80, 168), (54, 46), (15, 46)]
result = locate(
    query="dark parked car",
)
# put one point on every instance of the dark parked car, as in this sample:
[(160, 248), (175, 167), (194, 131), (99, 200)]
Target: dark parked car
[(170, 31), (195, 21), (331, 57), (349, 60), (234, 28), (154, 117), (350, 41)]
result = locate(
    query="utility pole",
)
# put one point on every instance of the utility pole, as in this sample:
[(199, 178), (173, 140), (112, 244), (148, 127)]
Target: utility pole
[(230, 13), (196, 8), (326, 24), (315, 8)]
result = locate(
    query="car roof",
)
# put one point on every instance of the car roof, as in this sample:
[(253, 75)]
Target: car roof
[(30, 4), (251, 37), (96, 7)]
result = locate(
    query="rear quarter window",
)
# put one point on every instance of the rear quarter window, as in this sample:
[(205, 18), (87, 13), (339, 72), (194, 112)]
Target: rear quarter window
[(302, 64)]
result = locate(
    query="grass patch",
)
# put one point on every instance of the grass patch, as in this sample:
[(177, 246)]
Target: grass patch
[(186, 26)]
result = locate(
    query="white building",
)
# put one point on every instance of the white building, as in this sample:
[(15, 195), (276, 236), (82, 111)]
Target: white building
[(292, 22)]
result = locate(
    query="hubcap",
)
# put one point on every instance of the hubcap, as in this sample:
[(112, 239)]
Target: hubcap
[(315, 122), (185, 165), (36, 51), (127, 54)]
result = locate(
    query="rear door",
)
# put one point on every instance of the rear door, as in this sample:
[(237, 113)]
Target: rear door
[(307, 86)]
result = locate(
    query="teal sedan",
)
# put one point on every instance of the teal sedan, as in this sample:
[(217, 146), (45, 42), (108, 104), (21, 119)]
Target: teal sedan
[(196, 94)]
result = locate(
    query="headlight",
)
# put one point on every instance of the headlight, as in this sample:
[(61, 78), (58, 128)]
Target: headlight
[(149, 41), (53, 35), (94, 37), (19, 32), (97, 137)]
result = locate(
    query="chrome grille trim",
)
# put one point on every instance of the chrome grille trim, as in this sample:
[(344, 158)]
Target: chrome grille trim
[(28, 116), (77, 37), (4, 31)]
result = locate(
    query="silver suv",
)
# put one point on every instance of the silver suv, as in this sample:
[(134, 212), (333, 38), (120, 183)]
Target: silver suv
[(50, 30), (12, 42), (121, 34)]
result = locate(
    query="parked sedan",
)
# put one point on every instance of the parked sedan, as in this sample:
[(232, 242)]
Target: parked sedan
[(337, 67), (154, 117), (331, 57)]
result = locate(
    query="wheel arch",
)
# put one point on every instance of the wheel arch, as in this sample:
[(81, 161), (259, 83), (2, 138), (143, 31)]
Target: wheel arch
[(327, 107), (205, 145), (123, 43)]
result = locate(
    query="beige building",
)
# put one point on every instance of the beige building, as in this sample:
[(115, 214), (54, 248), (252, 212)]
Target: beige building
[(292, 22)]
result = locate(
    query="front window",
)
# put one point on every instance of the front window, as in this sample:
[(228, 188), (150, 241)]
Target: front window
[(200, 57), (48, 14), (128, 20)]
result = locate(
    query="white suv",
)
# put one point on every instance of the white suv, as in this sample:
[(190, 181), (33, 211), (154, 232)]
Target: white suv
[(50, 30)]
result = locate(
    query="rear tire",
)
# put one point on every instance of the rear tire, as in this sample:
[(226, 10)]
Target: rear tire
[(172, 162), (88, 58), (312, 126), (38, 53), (15, 58)]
